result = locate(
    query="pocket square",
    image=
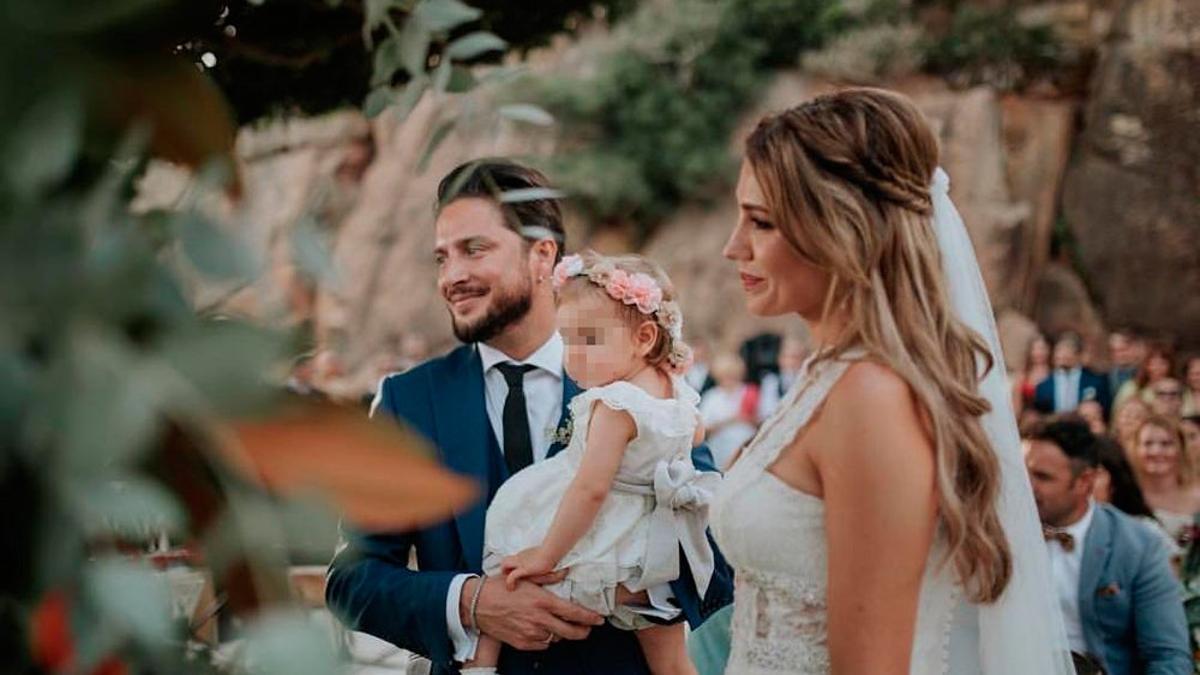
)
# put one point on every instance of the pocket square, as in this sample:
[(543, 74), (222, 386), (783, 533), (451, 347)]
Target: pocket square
[(1109, 591)]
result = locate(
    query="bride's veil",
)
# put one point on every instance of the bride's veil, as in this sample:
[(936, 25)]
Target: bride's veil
[(1023, 631)]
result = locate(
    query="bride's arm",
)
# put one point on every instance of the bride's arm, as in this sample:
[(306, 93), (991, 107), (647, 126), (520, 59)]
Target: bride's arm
[(877, 468)]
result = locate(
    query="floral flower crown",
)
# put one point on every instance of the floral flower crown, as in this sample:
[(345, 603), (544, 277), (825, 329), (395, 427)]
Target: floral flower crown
[(632, 288)]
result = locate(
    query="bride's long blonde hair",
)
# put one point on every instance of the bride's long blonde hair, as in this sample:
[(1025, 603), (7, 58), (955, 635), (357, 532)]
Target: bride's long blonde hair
[(847, 178)]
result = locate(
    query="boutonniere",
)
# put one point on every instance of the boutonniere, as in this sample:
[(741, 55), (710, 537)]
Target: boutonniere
[(1110, 591), (562, 435), (1187, 535)]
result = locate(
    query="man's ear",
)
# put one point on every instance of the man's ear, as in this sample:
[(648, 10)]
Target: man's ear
[(545, 251)]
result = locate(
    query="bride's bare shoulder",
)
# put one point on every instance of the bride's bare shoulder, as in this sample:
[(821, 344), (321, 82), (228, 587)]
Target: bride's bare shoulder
[(872, 410), (869, 384)]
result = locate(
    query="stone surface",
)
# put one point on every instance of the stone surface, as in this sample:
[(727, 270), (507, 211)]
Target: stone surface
[(1132, 194)]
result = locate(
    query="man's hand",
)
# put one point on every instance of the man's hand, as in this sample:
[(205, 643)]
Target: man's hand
[(528, 618)]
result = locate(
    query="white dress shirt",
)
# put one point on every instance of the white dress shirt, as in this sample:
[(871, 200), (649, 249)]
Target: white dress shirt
[(1064, 568), (543, 402), (1066, 389)]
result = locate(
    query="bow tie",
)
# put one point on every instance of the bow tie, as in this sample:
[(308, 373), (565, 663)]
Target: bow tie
[(1064, 538)]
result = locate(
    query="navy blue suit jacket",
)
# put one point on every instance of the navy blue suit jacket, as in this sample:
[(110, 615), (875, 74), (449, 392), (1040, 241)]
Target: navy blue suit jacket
[(1092, 386), (370, 587)]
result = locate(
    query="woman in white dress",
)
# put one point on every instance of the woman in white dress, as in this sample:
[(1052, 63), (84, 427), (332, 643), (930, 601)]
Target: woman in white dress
[(881, 520)]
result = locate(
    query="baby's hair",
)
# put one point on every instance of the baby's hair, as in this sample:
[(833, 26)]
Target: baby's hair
[(669, 352)]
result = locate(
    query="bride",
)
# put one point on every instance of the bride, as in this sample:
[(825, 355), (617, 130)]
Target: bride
[(881, 522)]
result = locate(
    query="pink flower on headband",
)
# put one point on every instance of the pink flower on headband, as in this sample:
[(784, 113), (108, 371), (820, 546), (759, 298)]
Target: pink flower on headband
[(644, 292), (618, 285), (568, 267)]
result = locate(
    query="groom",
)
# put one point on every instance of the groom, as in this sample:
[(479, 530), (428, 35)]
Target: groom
[(491, 408)]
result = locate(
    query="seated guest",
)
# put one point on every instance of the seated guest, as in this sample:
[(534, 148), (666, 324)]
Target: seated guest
[(1070, 383), (1116, 485), (1167, 398), (1191, 386), (1156, 365), (1127, 419), (730, 409), (1123, 354), (1166, 474), (1120, 600), (1034, 371)]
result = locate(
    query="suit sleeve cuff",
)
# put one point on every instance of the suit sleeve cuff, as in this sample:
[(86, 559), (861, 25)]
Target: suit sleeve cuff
[(464, 640)]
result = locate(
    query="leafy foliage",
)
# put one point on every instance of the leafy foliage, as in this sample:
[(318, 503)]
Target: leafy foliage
[(125, 416), (650, 128), (991, 46)]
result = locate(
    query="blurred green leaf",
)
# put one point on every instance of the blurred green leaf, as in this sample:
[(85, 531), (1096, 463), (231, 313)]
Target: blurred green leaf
[(442, 15), (526, 112), (112, 411), (474, 44), (131, 598), (414, 46), (226, 364), (441, 76), (412, 95), (435, 139), (130, 505), (213, 252), (45, 143), (310, 251), (377, 101), (461, 80), (375, 12), (289, 643), (388, 59)]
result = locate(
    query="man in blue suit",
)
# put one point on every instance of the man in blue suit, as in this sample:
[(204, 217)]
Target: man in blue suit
[(491, 407), (1121, 602), (1070, 383)]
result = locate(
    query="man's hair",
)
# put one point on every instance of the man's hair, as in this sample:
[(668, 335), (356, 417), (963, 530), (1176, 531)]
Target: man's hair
[(534, 218), (1072, 338), (1072, 435)]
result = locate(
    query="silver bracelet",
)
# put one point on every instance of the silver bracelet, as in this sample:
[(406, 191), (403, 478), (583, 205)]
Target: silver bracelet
[(475, 602)]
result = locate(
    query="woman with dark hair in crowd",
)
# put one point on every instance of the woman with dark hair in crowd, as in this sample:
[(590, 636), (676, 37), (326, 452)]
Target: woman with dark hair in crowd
[(1158, 363), (1115, 484), (1034, 369)]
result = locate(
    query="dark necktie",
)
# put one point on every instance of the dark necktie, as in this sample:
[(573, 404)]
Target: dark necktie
[(1064, 538), (518, 446)]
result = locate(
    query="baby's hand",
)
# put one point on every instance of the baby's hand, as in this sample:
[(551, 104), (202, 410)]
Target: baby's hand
[(531, 562)]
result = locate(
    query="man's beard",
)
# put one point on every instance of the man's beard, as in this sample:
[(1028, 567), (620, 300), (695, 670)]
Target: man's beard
[(506, 310)]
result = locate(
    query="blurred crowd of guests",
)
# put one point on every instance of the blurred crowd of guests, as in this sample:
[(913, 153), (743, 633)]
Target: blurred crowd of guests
[(1145, 406)]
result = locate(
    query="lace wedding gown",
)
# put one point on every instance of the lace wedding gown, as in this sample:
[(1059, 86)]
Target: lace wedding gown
[(774, 536)]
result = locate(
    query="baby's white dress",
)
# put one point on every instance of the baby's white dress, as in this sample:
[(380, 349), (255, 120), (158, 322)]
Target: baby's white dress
[(658, 502)]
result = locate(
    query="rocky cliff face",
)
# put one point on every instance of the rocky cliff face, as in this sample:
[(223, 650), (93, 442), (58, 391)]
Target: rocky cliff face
[(1132, 194)]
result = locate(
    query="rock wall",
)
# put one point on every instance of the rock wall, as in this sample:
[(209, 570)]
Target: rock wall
[(1132, 194)]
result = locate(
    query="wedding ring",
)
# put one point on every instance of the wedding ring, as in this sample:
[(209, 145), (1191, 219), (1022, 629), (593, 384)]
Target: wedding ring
[(551, 638)]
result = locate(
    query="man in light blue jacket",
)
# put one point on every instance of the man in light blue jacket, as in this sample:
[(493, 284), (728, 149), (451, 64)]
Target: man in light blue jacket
[(1120, 599)]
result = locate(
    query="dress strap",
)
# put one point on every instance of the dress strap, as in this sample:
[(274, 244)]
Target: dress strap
[(816, 379)]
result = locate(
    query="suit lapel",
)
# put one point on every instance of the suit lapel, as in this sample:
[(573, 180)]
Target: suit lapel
[(570, 389), (1097, 547), (464, 444)]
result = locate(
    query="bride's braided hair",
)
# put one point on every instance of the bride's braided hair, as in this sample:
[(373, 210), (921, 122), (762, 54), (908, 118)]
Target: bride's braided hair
[(847, 176)]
